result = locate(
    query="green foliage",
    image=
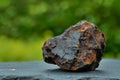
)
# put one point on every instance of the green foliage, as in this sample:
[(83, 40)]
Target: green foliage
[(28, 19), (19, 50)]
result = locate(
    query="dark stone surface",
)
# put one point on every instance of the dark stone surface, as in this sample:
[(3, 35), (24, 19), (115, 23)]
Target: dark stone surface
[(108, 70), (80, 47)]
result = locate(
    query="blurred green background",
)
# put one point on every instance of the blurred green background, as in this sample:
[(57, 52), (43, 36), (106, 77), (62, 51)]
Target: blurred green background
[(26, 24)]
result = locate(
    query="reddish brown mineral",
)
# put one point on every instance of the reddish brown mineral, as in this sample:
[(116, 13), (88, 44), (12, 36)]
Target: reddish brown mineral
[(79, 48)]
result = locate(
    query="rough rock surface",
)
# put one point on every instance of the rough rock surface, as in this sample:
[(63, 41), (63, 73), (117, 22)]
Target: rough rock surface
[(79, 48)]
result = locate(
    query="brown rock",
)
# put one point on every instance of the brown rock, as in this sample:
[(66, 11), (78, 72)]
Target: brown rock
[(79, 48)]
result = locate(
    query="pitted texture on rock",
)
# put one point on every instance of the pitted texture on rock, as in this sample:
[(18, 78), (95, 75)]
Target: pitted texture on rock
[(79, 48)]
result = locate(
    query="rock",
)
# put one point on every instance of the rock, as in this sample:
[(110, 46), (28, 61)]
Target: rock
[(79, 48)]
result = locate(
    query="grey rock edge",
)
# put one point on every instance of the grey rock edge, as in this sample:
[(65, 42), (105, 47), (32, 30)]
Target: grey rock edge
[(109, 69)]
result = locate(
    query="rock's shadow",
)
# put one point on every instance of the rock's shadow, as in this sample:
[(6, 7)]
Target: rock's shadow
[(59, 70), (81, 75)]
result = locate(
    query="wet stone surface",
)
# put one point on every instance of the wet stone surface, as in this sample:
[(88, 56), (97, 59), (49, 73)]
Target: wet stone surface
[(108, 69), (79, 48)]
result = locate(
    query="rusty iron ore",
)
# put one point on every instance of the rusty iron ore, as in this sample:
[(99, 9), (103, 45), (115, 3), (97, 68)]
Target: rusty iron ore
[(79, 48)]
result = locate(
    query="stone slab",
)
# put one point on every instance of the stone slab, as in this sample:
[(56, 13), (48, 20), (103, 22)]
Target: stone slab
[(109, 69)]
